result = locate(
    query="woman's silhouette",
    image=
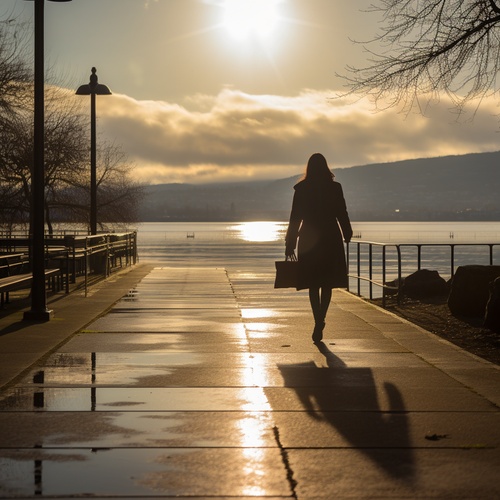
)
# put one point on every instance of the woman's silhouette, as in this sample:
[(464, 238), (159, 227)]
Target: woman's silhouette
[(317, 211)]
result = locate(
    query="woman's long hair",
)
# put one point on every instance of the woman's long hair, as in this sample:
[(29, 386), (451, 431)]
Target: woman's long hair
[(317, 170)]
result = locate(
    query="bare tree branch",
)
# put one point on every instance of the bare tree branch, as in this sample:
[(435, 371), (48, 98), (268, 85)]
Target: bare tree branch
[(450, 46), (15, 73), (67, 141)]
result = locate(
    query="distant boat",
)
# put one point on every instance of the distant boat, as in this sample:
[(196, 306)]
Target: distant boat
[(190, 235)]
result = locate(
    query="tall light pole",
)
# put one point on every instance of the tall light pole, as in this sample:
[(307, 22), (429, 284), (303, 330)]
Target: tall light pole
[(93, 88), (38, 311)]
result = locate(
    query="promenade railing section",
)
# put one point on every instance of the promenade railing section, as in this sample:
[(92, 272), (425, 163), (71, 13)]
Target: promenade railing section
[(377, 268), (78, 258)]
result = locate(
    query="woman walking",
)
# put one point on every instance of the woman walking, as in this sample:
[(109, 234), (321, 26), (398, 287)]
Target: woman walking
[(317, 217)]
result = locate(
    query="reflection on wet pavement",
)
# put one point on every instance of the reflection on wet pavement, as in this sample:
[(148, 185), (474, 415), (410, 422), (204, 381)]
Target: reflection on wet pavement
[(129, 398), (164, 383), (142, 472), (197, 386)]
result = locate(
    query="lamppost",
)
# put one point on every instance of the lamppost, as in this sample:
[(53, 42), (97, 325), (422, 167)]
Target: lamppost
[(93, 88), (38, 311)]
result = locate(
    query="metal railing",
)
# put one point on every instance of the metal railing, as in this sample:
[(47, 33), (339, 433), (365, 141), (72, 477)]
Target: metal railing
[(78, 256), (367, 259), (99, 254), (369, 278)]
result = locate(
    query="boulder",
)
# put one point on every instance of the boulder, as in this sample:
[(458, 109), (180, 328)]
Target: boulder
[(470, 290), (392, 287), (492, 316), (424, 283)]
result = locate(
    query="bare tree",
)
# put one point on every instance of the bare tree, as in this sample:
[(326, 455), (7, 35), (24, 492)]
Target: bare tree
[(67, 172), (67, 183), (65, 155), (15, 73), (429, 47), (118, 196), (15, 167), (15, 79)]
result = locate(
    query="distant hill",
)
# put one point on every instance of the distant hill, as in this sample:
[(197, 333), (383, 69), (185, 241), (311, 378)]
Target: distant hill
[(465, 187)]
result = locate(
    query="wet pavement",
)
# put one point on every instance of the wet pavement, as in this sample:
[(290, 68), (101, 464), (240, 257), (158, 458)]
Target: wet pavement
[(204, 384)]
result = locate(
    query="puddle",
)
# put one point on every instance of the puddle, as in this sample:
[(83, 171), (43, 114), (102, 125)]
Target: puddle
[(143, 472), (138, 399)]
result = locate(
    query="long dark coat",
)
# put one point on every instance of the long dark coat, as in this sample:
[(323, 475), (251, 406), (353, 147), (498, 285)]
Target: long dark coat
[(318, 214)]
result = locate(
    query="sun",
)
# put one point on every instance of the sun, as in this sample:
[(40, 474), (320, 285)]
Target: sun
[(244, 19)]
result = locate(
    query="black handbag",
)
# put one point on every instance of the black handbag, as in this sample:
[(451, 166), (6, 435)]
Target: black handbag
[(287, 273)]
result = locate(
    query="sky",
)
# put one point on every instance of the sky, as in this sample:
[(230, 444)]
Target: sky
[(230, 90)]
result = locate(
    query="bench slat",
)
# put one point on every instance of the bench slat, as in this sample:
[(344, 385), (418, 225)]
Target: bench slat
[(20, 281)]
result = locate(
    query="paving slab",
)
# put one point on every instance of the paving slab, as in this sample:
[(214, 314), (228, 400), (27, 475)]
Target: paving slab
[(167, 323), (372, 398), (156, 342), (142, 376), (201, 383), (379, 429), (397, 473), (140, 429)]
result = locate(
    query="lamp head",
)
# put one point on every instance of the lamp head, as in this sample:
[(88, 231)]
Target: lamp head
[(93, 87)]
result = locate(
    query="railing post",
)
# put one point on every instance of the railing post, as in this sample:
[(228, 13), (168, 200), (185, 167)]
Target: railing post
[(359, 269), (134, 241), (419, 257), (107, 265), (129, 250), (348, 265), (370, 269), (452, 248), (400, 286), (383, 276), (72, 241), (86, 264)]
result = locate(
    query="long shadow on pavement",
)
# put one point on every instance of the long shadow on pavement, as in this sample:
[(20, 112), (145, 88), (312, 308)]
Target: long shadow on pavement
[(330, 392)]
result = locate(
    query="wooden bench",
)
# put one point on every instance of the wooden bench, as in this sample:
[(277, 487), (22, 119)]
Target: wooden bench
[(12, 263), (22, 281)]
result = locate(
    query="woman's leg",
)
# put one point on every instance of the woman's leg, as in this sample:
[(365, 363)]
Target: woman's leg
[(315, 304), (326, 297), (319, 324)]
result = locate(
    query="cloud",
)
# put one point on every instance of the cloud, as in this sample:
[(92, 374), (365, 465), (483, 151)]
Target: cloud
[(234, 135)]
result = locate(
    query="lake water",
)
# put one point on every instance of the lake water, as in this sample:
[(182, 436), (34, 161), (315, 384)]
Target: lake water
[(253, 247)]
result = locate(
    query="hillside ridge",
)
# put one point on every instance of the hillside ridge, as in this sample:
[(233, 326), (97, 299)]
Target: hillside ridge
[(461, 187)]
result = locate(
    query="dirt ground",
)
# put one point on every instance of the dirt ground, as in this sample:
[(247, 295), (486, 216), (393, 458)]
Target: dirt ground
[(434, 316)]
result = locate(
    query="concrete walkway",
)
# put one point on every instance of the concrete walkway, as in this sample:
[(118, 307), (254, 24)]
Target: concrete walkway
[(201, 384)]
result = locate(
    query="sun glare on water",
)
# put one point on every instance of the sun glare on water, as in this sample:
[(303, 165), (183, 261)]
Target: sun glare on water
[(260, 231), (251, 18)]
